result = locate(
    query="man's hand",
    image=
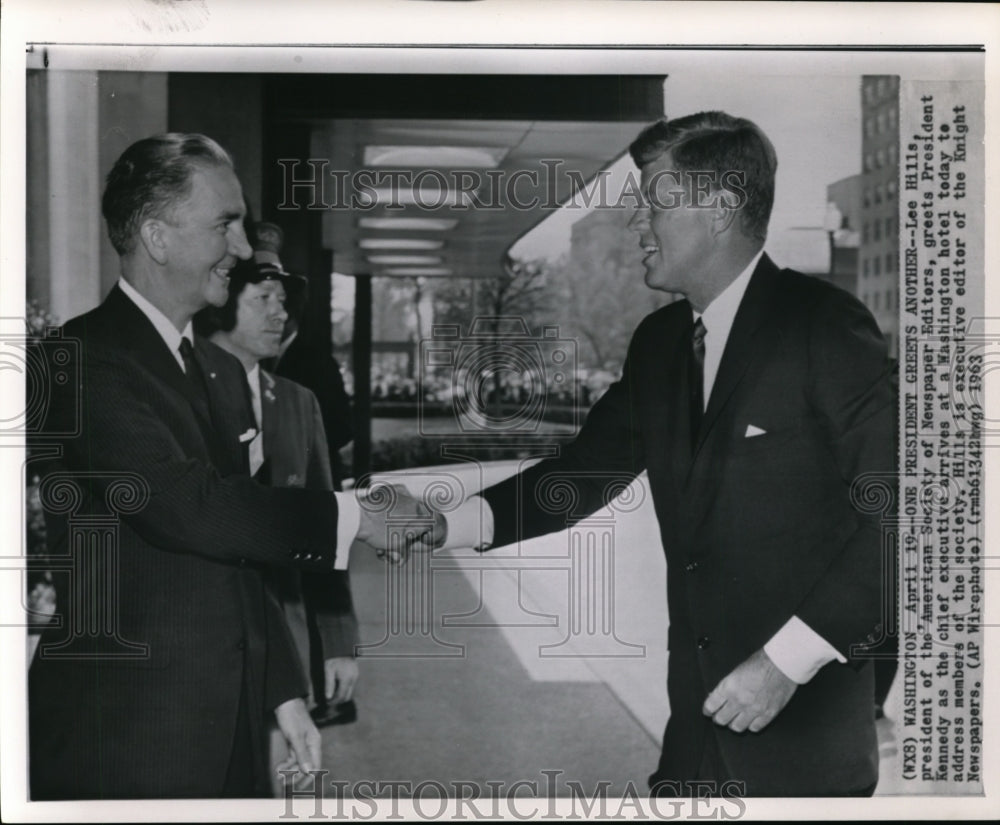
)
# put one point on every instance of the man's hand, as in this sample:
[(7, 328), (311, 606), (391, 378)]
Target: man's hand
[(341, 676), (394, 522), (751, 696), (303, 741)]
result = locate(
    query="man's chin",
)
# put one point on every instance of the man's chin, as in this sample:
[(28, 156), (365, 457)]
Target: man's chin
[(656, 280), (218, 297)]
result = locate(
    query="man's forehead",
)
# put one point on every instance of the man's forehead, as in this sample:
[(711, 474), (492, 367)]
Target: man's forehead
[(218, 185)]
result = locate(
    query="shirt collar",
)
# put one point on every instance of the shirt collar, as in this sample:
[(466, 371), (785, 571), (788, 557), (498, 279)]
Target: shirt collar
[(168, 332), (720, 314), (253, 376)]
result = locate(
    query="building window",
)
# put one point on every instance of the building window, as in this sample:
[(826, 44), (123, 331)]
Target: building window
[(875, 298), (888, 299), (869, 126), (864, 268), (866, 198), (878, 193), (888, 262), (880, 158), (877, 262), (890, 190), (864, 233), (892, 117), (877, 231), (880, 122), (868, 162), (892, 154), (888, 227)]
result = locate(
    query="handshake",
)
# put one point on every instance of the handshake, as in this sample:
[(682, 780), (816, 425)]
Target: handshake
[(395, 523)]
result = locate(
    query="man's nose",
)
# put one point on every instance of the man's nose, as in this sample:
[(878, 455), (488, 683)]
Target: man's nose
[(239, 245), (279, 313), (639, 220)]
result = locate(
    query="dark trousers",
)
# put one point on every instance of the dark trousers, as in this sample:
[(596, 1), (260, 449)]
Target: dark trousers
[(714, 779)]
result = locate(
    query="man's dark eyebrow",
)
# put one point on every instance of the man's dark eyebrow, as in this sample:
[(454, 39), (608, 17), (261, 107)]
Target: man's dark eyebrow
[(232, 215)]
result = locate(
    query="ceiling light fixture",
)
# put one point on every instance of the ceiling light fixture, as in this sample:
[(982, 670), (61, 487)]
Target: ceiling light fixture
[(419, 271), (404, 259), (400, 243), (420, 224), (441, 157)]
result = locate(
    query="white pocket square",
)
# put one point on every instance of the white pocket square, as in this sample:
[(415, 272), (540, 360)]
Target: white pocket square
[(752, 431), (249, 435)]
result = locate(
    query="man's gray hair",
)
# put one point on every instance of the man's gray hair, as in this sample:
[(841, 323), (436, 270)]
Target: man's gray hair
[(150, 177)]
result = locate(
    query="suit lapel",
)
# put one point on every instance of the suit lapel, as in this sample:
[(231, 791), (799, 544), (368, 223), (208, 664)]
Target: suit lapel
[(742, 345), (679, 408), (138, 335), (661, 381)]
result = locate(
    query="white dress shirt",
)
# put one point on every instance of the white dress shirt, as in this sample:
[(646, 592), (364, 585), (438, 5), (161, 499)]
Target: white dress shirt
[(796, 649), (168, 332), (348, 510)]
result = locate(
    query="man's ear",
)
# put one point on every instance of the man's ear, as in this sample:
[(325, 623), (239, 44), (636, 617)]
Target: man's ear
[(152, 234), (724, 213)]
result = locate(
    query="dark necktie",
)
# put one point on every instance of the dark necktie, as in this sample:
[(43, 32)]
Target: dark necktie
[(195, 376), (696, 379)]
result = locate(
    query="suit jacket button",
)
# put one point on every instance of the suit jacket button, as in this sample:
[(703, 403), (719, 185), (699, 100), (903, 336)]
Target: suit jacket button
[(241, 645), (691, 566), (703, 642)]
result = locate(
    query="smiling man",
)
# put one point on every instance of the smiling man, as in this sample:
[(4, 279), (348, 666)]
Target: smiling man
[(169, 656), (754, 405)]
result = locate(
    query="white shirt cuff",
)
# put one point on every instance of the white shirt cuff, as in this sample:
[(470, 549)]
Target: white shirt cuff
[(470, 525), (348, 522), (799, 652)]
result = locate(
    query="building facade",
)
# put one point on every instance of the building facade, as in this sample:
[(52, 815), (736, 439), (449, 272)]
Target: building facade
[(878, 253)]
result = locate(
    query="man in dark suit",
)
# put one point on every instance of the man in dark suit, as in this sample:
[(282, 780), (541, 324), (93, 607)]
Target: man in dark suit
[(754, 405), (250, 326), (169, 653)]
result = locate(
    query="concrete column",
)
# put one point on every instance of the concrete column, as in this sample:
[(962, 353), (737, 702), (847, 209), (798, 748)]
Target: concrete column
[(74, 193)]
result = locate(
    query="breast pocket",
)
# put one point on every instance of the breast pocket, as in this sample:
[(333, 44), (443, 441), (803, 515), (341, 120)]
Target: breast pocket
[(772, 440)]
